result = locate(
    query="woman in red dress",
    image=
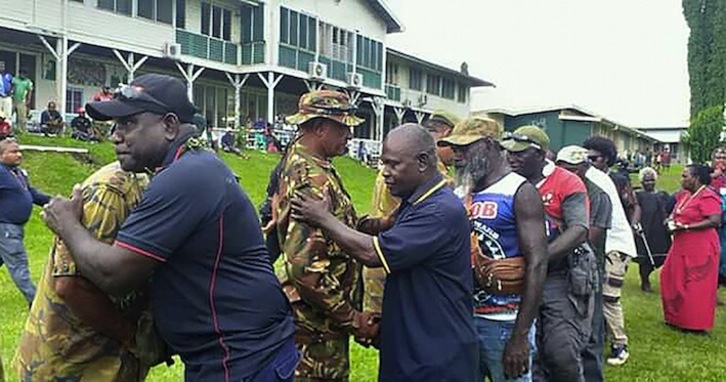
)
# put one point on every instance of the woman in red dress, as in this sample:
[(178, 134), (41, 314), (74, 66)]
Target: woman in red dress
[(690, 274)]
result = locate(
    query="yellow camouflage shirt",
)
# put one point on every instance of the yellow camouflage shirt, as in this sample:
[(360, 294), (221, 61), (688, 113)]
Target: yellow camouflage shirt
[(55, 344), (320, 279)]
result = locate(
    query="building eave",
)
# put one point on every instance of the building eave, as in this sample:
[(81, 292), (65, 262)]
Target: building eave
[(471, 80), (587, 117), (393, 24)]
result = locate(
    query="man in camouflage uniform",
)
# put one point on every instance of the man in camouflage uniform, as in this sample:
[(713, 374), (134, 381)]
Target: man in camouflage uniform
[(439, 125), (321, 281), (75, 331)]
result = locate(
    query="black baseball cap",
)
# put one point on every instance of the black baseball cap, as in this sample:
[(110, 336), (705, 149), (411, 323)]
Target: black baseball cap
[(155, 93)]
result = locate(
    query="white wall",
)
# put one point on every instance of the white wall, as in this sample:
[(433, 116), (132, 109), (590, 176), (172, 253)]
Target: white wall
[(86, 23), (433, 102), (347, 14)]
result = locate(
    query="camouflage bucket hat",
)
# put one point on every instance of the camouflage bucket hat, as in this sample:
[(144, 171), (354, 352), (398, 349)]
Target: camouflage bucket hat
[(442, 117), (325, 104), (525, 137), (471, 130)]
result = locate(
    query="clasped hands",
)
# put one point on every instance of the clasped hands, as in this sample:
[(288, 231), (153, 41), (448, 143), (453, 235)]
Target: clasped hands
[(366, 328)]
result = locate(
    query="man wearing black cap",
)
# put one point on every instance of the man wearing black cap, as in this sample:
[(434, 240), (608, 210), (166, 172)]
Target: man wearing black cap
[(216, 300)]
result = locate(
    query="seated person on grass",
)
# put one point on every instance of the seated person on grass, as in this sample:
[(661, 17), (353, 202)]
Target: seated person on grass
[(229, 143), (83, 128), (51, 121)]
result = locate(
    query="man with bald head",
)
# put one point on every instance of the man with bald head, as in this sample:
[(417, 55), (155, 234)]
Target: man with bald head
[(427, 331), (439, 125)]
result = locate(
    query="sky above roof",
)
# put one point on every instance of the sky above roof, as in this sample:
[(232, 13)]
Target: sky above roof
[(623, 59)]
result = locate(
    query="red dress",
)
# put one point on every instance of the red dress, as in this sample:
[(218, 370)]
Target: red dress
[(689, 278)]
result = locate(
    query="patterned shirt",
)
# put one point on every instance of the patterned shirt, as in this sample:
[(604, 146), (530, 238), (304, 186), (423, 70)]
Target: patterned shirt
[(57, 345), (317, 271), (493, 221)]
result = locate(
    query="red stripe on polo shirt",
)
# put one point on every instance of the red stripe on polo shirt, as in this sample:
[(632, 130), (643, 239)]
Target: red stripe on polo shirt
[(212, 284), (139, 251)]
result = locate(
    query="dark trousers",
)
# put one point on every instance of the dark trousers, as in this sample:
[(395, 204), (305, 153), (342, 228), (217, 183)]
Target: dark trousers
[(281, 367), (592, 358), (563, 331)]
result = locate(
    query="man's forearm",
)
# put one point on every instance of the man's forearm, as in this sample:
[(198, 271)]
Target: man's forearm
[(94, 308), (94, 259), (356, 244), (566, 242), (594, 234), (536, 273), (636, 214)]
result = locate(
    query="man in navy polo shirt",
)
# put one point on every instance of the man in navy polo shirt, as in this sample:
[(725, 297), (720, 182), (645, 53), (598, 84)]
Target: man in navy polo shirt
[(215, 300), (17, 197), (427, 330)]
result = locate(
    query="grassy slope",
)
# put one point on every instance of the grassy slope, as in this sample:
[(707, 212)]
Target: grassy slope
[(658, 353)]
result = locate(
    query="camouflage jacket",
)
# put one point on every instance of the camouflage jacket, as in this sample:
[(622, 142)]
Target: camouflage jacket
[(321, 281), (55, 344)]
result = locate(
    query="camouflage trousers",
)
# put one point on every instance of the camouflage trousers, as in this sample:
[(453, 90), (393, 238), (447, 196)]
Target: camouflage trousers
[(374, 280), (322, 360)]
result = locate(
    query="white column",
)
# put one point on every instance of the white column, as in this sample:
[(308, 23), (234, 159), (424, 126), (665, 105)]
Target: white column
[(378, 108), (270, 82), (237, 84), (400, 112), (62, 74), (130, 63), (353, 96), (190, 75), (60, 53), (313, 85), (420, 115)]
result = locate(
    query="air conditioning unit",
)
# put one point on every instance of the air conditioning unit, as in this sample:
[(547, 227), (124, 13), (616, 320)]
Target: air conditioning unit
[(172, 50), (406, 103), (422, 99), (355, 80), (317, 70)]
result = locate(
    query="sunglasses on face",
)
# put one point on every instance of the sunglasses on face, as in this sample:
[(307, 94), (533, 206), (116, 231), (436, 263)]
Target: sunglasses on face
[(508, 136), (593, 158), (134, 93)]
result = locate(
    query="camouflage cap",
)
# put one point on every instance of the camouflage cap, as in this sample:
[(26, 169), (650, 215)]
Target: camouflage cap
[(328, 104), (471, 130), (444, 117), (572, 155), (525, 137)]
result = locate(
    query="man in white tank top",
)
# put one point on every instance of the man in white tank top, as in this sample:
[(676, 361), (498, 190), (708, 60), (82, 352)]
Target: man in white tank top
[(509, 249)]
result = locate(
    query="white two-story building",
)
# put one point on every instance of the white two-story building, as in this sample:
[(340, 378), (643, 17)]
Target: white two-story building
[(242, 59)]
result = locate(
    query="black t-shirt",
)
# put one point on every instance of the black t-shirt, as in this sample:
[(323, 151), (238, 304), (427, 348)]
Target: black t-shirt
[(427, 332), (216, 299)]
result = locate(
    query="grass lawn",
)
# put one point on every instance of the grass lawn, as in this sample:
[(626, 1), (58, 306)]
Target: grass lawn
[(657, 353)]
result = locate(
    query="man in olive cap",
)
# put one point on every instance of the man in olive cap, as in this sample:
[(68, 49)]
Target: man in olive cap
[(508, 243), (321, 280), (566, 310), (439, 125)]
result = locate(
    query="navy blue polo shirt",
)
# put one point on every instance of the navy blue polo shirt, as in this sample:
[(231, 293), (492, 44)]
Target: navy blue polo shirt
[(427, 332), (216, 300), (17, 196)]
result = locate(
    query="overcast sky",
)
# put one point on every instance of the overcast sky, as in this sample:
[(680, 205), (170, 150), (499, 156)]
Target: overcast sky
[(623, 59)]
